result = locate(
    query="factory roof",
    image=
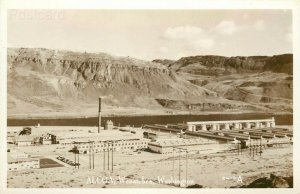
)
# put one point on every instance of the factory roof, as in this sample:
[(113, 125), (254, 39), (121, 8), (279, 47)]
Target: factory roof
[(159, 127), (11, 159), (24, 138), (177, 142), (209, 135), (108, 140), (229, 121)]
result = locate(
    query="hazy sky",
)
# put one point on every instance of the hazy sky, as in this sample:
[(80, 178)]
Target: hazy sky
[(152, 34)]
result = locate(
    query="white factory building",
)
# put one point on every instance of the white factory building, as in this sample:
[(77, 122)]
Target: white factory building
[(23, 164), (109, 125), (115, 145), (193, 144), (24, 140), (18, 160), (230, 125)]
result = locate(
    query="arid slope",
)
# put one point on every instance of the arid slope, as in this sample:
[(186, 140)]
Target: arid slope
[(49, 82)]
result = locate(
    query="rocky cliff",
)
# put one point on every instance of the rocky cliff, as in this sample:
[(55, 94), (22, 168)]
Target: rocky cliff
[(55, 81), (258, 80), (220, 65)]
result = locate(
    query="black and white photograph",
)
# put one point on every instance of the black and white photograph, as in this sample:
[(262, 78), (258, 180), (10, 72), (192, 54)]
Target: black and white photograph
[(188, 99)]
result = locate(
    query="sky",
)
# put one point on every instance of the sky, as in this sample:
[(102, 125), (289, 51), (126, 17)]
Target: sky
[(154, 34)]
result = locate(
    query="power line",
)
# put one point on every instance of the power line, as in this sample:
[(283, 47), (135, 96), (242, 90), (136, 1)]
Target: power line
[(173, 164), (104, 158), (108, 158), (186, 165), (179, 162), (93, 155), (112, 158)]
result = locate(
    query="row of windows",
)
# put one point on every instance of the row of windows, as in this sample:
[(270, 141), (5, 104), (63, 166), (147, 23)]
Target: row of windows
[(29, 164), (121, 148), (107, 145), (21, 168), (17, 162)]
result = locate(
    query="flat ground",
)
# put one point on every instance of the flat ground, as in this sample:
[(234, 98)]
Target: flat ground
[(217, 170)]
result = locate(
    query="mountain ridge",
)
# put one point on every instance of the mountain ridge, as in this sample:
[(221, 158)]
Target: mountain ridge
[(277, 63), (55, 81)]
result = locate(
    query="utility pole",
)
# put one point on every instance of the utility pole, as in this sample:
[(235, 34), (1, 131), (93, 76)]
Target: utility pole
[(104, 157), (173, 163), (186, 161), (253, 150), (93, 154), (108, 157), (90, 156), (256, 147), (250, 145), (112, 157), (186, 165), (179, 172), (78, 163), (260, 151), (179, 163), (75, 158), (78, 158), (241, 146)]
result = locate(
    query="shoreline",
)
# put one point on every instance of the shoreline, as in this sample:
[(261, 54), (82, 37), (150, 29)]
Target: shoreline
[(72, 116)]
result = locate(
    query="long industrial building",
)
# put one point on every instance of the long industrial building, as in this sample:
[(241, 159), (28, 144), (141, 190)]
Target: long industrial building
[(193, 144), (229, 125), (220, 135), (115, 145), (18, 160)]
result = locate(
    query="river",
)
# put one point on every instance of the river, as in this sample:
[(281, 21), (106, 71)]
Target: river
[(286, 119)]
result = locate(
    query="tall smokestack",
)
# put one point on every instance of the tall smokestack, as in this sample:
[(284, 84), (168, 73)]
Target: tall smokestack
[(99, 116)]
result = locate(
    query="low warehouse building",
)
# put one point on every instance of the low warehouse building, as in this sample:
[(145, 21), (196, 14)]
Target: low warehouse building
[(23, 164), (197, 144), (24, 140), (14, 153), (115, 145), (48, 139), (109, 125), (157, 135)]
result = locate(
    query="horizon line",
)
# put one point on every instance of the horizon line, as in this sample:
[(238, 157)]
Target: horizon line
[(98, 52)]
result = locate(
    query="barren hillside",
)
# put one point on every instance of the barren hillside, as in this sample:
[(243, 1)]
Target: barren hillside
[(43, 81)]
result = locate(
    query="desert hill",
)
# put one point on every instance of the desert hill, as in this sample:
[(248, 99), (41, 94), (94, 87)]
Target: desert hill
[(50, 82)]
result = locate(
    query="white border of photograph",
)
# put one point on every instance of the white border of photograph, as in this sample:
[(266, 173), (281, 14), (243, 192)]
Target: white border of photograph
[(148, 4)]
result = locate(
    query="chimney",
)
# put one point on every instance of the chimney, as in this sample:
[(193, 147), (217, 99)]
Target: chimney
[(99, 116)]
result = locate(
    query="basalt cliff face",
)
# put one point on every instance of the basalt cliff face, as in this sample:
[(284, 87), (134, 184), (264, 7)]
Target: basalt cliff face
[(265, 81), (220, 65), (54, 81)]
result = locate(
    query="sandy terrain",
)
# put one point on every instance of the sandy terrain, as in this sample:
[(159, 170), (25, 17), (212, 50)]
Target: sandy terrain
[(207, 170)]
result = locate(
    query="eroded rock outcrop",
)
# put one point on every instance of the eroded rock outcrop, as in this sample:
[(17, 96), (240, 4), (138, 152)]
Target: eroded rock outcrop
[(55, 76), (44, 80), (220, 65)]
